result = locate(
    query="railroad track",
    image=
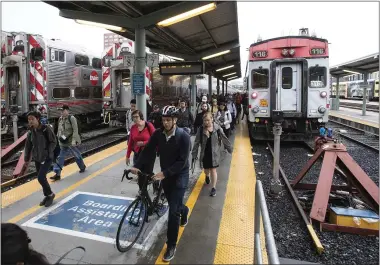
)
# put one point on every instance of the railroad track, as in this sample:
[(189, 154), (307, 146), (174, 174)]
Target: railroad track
[(374, 108), (113, 137), (369, 140), (289, 214)]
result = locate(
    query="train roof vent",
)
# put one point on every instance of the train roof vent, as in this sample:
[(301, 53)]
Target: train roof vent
[(259, 38), (304, 32), (313, 34)]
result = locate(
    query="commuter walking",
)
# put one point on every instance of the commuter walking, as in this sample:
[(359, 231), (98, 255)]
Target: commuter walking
[(224, 118), (214, 107), (155, 117), (128, 116), (232, 109), (199, 118), (40, 143), (204, 101), (210, 138), (68, 138), (174, 147), (185, 117), (141, 131)]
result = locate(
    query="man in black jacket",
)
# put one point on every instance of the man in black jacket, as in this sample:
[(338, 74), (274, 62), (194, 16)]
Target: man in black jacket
[(174, 146), (185, 117), (40, 143)]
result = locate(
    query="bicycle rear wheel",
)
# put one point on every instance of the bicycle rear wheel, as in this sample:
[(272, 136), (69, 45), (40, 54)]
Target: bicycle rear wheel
[(131, 224)]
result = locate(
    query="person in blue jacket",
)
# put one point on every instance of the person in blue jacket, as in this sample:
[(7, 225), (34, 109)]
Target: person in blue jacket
[(173, 144)]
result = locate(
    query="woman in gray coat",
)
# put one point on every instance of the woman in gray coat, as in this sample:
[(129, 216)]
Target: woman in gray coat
[(210, 138)]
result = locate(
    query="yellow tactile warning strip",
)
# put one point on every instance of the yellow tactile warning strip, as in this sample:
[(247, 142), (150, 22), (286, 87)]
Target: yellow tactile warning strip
[(235, 244), (23, 191), (190, 203), (66, 191), (354, 119)]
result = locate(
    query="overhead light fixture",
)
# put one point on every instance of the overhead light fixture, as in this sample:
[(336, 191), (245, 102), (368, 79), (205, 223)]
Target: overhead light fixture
[(100, 25), (348, 71), (189, 14), (224, 68), (215, 55), (175, 58), (229, 74)]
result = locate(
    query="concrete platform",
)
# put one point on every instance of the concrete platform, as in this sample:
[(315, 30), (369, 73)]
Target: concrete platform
[(354, 118)]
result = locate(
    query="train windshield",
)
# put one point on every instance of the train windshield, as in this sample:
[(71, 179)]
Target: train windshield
[(260, 78), (317, 76)]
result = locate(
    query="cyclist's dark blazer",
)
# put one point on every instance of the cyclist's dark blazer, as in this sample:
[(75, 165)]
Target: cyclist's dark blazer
[(174, 156)]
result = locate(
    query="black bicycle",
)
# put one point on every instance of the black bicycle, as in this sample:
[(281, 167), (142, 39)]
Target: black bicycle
[(134, 218)]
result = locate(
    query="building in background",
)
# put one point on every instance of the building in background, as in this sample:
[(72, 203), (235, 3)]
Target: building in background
[(111, 38)]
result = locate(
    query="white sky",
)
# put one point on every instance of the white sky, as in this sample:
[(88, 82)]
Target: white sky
[(352, 28)]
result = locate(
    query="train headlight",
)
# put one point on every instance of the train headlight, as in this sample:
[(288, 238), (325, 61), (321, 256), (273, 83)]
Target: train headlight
[(292, 52), (254, 95), (321, 109), (323, 94), (285, 52), (255, 109)]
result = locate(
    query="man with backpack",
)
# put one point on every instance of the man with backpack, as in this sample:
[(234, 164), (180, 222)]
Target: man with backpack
[(185, 117), (40, 143), (68, 138), (173, 144)]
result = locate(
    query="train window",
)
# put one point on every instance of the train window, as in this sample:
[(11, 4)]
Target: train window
[(81, 92), (97, 92), (61, 92), (37, 54), (287, 77), (260, 78), (317, 76), (96, 63), (57, 56), (81, 59)]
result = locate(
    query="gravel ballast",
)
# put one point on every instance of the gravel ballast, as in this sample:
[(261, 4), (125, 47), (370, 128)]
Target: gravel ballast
[(292, 238)]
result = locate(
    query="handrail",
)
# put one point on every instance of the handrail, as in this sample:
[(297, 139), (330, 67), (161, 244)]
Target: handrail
[(261, 209)]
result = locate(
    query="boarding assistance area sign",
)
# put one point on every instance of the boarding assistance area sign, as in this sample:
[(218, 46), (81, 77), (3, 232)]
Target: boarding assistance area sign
[(89, 215)]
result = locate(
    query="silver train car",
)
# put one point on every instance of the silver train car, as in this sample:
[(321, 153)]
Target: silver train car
[(43, 74)]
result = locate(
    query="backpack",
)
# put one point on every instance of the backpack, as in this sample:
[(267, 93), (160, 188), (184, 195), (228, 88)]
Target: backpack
[(218, 132), (79, 127)]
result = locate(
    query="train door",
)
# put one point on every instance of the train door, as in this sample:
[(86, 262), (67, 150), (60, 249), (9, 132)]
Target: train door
[(289, 84), (121, 87)]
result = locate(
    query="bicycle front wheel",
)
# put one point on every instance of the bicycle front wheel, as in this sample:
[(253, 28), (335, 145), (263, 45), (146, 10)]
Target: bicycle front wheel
[(131, 224)]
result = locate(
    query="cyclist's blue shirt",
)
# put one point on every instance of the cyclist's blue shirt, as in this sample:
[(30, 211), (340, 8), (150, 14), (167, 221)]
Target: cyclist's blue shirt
[(174, 155)]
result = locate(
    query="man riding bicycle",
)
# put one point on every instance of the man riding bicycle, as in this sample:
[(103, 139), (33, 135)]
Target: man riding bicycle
[(173, 143)]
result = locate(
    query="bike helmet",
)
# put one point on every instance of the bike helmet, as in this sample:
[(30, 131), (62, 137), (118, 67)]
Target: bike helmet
[(169, 111)]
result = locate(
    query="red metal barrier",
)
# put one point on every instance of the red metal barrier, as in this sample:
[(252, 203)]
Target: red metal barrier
[(5, 153), (21, 168)]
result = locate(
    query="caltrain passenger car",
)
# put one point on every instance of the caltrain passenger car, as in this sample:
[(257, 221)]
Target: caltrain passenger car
[(289, 76), (354, 89), (43, 74), (116, 83)]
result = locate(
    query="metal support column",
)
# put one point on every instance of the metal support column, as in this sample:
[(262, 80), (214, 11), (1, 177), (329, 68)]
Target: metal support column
[(193, 94), (209, 86), (226, 86), (223, 87), (15, 127), (217, 87), (275, 185), (140, 66), (337, 94), (365, 92)]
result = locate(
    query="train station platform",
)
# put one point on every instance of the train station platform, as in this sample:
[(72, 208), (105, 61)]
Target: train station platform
[(88, 207), (354, 118)]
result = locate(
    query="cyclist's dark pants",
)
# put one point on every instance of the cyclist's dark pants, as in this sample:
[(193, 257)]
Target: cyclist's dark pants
[(174, 196)]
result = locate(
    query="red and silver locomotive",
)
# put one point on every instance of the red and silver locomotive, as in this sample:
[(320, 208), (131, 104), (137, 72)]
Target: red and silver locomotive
[(43, 74), (287, 77)]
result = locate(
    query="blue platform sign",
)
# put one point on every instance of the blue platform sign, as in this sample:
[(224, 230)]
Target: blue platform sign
[(89, 215), (138, 83)]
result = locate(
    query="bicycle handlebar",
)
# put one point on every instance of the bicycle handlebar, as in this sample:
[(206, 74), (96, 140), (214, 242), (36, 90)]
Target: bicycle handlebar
[(139, 174)]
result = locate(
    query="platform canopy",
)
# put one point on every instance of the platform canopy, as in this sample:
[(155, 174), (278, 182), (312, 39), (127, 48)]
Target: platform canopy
[(192, 39), (366, 64)]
